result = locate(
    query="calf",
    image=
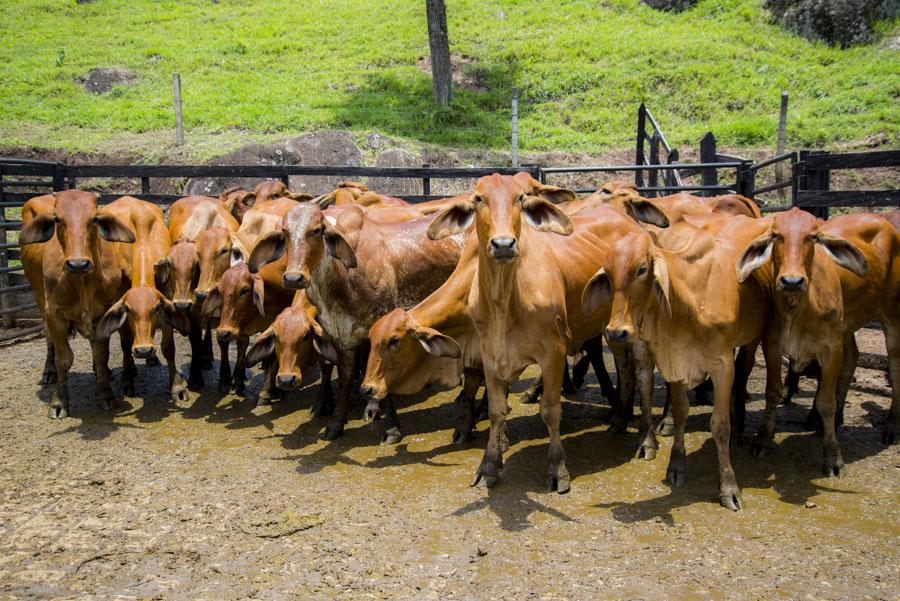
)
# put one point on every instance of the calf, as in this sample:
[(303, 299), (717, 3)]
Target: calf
[(831, 278), (355, 269), (238, 201), (84, 272), (691, 311)]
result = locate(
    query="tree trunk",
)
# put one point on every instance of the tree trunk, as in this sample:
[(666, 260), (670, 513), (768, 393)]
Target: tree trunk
[(441, 69)]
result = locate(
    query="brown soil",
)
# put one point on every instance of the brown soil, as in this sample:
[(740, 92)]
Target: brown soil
[(212, 499)]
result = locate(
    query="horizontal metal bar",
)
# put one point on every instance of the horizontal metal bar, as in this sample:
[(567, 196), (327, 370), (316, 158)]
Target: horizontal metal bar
[(731, 165), (775, 186), (18, 309), (8, 245), (773, 160), (276, 172), (16, 161), (16, 288), (853, 160), (10, 225), (11, 269), (848, 198), (24, 183), (21, 333)]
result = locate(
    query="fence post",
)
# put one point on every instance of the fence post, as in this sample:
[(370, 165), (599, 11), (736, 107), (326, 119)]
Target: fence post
[(779, 142), (670, 181), (426, 183), (286, 180), (9, 320), (814, 179), (179, 128), (653, 174), (145, 185), (639, 152), (59, 177), (709, 176), (746, 179), (515, 127)]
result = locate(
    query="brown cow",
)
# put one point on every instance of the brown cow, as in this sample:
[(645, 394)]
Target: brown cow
[(238, 201), (690, 309), (84, 273), (289, 347), (524, 302), (32, 260), (355, 269), (354, 193), (831, 278), (143, 308), (893, 217)]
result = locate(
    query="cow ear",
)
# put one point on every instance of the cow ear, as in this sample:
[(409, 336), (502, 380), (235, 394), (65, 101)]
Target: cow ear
[(161, 271), (249, 199), (113, 230), (454, 219), (641, 209), (545, 217), (661, 284), (259, 294), (176, 318), (326, 349), (299, 196), (238, 254), (263, 348), (212, 303), (41, 229), (757, 254), (555, 194), (268, 249), (325, 200), (844, 253), (338, 247), (112, 320), (437, 344), (597, 292)]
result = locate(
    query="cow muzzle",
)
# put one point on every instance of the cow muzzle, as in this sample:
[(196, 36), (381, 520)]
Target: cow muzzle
[(225, 336), (295, 281), (77, 266), (287, 381), (617, 334), (144, 352), (184, 306), (503, 249), (201, 295), (792, 283)]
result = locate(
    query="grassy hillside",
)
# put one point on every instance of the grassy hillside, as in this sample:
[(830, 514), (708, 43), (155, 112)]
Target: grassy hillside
[(276, 67)]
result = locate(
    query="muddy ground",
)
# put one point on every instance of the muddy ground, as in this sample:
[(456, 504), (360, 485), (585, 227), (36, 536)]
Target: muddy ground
[(210, 499)]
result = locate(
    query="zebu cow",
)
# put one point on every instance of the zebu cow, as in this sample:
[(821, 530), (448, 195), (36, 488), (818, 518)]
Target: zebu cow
[(355, 269), (143, 308), (692, 312), (831, 278), (238, 201), (83, 272)]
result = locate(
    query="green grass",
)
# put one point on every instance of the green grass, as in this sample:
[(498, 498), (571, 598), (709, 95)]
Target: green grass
[(252, 70)]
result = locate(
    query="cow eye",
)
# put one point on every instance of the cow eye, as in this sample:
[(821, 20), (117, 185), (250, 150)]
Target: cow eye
[(245, 291), (478, 199), (393, 342), (641, 270), (317, 232), (223, 251)]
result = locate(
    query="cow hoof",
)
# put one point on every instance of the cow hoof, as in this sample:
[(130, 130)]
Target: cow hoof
[(504, 443), (618, 425), (49, 377), (180, 394), (646, 452), (263, 398), (666, 427), (762, 446), (731, 500), (490, 481), (333, 432), (107, 402), (531, 398), (560, 481), (57, 411), (676, 473), (833, 470), (392, 436)]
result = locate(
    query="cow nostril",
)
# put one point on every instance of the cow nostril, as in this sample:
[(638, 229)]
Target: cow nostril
[(294, 281), (617, 334), (285, 380), (366, 390), (223, 335), (789, 282), (143, 352), (77, 265), (183, 305), (201, 296), (503, 244)]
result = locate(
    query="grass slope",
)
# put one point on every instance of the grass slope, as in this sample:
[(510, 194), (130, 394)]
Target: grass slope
[(284, 66)]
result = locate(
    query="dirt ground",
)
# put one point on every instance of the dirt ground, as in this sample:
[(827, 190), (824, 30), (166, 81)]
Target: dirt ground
[(211, 499)]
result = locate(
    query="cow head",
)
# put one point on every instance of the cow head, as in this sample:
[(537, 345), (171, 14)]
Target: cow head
[(634, 275), (239, 295), (78, 225), (217, 250), (497, 208), (624, 196), (142, 309), (405, 357), (178, 272), (293, 339), (238, 201), (533, 187), (307, 234), (272, 189), (790, 243)]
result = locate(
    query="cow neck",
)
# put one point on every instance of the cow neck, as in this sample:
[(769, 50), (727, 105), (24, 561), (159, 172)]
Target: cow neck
[(445, 309), (681, 300)]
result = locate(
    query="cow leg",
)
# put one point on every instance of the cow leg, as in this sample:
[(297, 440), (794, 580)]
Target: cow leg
[(677, 469), (106, 399), (392, 433), (239, 376), (268, 389), (207, 353), (558, 478), (621, 408), (743, 365), (49, 375), (129, 371), (720, 424), (177, 390), (791, 384), (224, 368), (702, 393), (594, 352), (326, 397), (335, 427), (580, 364), (643, 365), (492, 462), (830, 360), (666, 425), (534, 392), (765, 437), (567, 385), (465, 406), (199, 359), (848, 366), (62, 358), (891, 329)]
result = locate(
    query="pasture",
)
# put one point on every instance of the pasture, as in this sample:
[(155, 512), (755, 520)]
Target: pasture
[(214, 499)]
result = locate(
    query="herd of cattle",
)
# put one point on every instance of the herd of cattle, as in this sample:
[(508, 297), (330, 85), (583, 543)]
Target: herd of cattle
[(473, 289)]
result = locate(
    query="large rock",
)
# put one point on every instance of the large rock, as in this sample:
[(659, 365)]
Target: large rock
[(100, 81), (396, 157), (671, 5), (838, 22)]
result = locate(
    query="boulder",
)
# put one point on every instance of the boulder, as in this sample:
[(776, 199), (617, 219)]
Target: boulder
[(396, 157), (102, 80), (837, 22), (675, 6)]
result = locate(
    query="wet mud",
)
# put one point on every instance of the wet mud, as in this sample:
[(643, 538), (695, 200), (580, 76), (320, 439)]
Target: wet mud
[(213, 499)]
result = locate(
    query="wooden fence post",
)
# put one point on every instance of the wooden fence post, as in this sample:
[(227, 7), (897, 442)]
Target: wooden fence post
[(9, 320), (653, 174), (426, 183), (709, 176), (779, 143), (515, 127), (670, 180), (179, 128), (639, 152), (817, 179), (746, 179)]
